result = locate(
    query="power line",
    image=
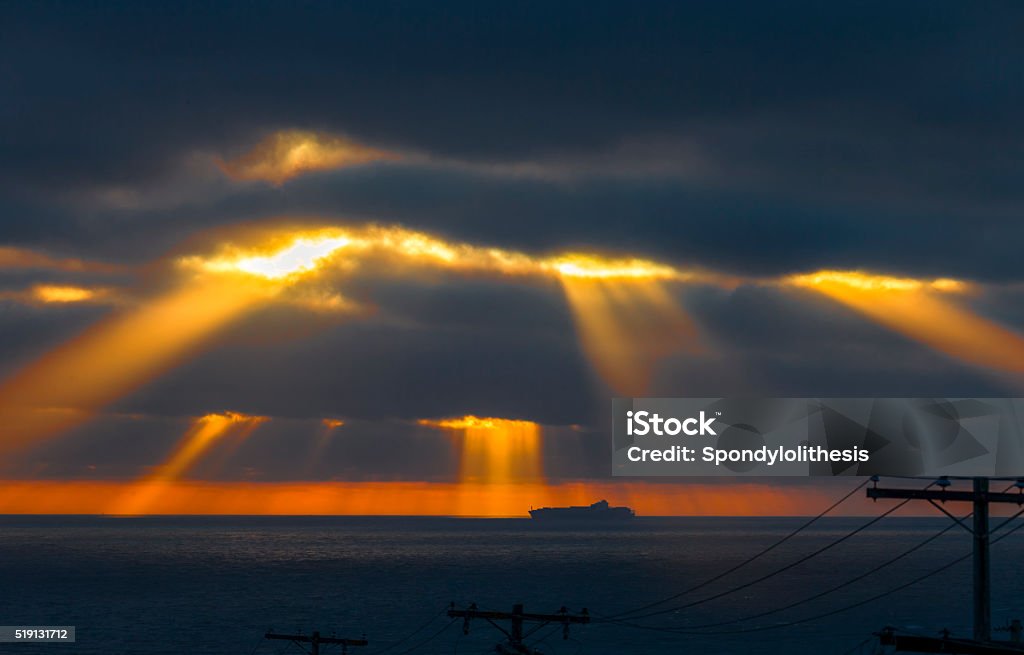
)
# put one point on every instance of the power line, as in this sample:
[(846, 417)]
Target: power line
[(740, 565), (411, 634), (837, 587), (549, 635), (840, 610), (767, 576), (428, 639), (859, 646)]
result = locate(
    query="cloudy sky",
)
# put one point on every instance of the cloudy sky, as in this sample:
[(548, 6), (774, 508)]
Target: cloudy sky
[(277, 254)]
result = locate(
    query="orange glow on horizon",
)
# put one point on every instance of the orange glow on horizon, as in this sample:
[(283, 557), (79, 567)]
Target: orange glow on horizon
[(411, 498), (920, 310)]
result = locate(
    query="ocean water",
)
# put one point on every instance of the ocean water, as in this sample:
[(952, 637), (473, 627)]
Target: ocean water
[(216, 584)]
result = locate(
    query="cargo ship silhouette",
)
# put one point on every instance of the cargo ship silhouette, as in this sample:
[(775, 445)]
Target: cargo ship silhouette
[(599, 511)]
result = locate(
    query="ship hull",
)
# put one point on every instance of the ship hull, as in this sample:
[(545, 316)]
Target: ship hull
[(573, 514)]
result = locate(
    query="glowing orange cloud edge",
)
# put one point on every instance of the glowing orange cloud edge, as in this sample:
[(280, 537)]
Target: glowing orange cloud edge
[(61, 294), (286, 154), (309, 250)]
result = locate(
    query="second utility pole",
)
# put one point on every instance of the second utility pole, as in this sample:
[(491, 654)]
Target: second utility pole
[(980, 497)]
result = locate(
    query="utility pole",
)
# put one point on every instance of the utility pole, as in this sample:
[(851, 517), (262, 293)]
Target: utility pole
[(315, 640), (516, 618), (980, 497)]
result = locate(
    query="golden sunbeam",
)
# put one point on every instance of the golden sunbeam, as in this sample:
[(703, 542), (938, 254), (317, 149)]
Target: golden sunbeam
[(227, 444), (495, 450), (626, 326), (114, 357), (324, 433), (290, 153), (924, 311), (205, 432)]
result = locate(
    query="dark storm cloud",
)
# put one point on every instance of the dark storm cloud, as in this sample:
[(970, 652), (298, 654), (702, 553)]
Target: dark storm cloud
[(787, 137)]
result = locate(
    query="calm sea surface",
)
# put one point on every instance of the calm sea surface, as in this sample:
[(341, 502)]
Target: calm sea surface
[(215, 585)]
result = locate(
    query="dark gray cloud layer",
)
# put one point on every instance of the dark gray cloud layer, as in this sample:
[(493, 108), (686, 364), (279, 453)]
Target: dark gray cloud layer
[(783, 137)]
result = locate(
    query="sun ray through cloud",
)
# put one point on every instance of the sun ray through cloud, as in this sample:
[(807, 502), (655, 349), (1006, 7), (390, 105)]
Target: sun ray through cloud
[(926, 311), (495, 450), (495, 453), (325, 431), (114, 357), (203, 434), (626, 327)]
